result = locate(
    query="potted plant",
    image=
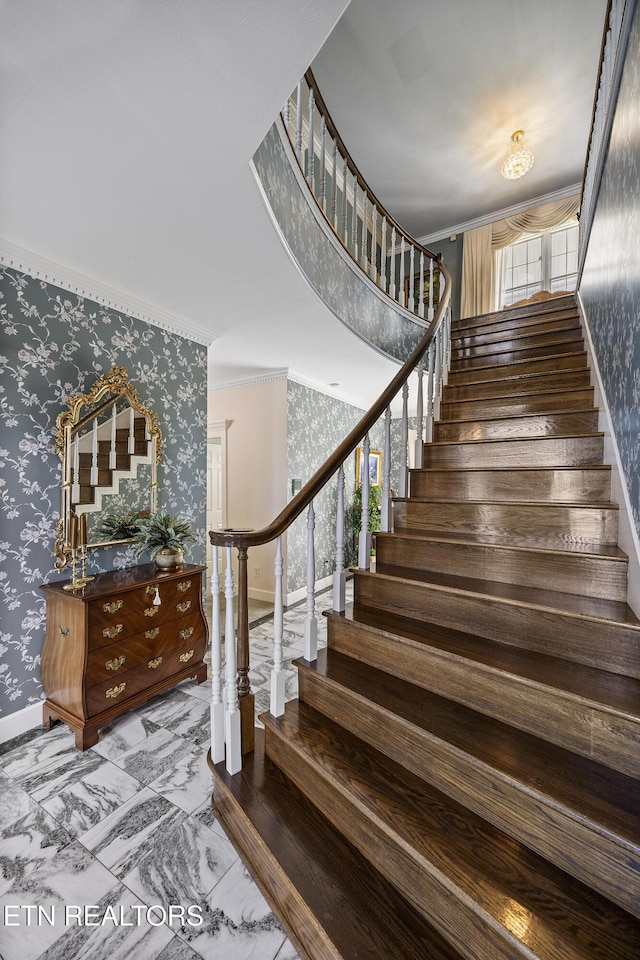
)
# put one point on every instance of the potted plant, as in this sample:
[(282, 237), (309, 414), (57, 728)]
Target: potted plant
[(120, 524), (164, 538)]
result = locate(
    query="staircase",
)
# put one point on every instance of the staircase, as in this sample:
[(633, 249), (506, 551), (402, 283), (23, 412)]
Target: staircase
[(127, 447), (460, 775)]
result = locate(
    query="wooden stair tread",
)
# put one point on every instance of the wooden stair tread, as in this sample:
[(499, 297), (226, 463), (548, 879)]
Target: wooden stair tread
[(611, 611), (611, 691), (586, 789), (516, 416), (562, 306), (595, 550), (432, 846), (555, 436), (507, 469), (312, 869)]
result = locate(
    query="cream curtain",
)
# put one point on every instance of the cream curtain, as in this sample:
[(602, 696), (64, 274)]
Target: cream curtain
[(478, 273)]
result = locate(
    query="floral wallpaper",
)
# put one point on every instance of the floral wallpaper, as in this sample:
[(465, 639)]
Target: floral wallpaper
[(54, 344), (316, 424), (342, 289), (610, 286)]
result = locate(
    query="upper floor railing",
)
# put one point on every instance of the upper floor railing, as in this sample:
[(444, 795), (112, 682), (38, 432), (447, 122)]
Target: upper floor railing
[(401, 267)]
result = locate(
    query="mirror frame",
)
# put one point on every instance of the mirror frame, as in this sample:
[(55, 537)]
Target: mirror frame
[(115, 383)]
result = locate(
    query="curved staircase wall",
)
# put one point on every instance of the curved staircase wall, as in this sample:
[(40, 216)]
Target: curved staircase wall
[(341, 285)]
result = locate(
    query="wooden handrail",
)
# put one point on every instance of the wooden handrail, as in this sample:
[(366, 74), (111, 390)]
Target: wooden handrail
[(595, 99), (252, 538), (322, 107)]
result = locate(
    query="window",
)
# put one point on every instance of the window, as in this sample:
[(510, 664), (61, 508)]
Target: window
[(541, 261)]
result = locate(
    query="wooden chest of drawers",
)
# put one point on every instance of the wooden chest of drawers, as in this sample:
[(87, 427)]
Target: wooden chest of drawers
[(128, 635)]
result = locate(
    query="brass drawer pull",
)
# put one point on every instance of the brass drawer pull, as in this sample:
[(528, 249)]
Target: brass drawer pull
[(115, 664), (116, 691), (113, 607), (151, 588), (184, 657), (63, 630), (112, 632), (154, 663), (151, 611), (185, 634), (183, 607), (153, 633), (184, 585)]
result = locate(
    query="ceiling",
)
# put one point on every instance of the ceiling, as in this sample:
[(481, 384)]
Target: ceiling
[(126, 130)]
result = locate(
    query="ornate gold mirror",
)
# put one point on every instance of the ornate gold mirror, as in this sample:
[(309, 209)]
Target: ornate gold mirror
[(110, 446)]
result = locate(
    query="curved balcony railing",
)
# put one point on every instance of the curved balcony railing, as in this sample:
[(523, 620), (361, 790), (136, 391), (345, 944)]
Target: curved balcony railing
[(402, 268), (366, 229)]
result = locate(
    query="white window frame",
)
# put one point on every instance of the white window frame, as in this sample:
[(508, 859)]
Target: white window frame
[(547, 277)]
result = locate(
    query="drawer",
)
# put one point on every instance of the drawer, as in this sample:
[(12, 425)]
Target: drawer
[(123, 655), (135, 612), (120, 687)]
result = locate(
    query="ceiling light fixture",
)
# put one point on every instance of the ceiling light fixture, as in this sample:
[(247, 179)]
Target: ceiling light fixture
[(519, 160)]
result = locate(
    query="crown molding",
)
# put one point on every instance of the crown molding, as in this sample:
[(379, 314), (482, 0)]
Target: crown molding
[(270, 376), (17, 258), (501, 214)]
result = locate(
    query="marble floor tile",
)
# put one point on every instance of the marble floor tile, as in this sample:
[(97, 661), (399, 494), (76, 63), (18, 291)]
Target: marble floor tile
[(41, 750), (238, 923), (130, 832), (287, 952), (177, 949), (72, 878), (188, 783), (16, 802), (190, 720), (125, 732), (182, 870), (21, 740), (84, 804), (116, 931), (206, 815), (29, 840), (63, 768), (148, 759), (163, 705), (202, 691)]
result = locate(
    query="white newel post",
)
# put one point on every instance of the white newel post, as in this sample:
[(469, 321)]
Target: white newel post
[(385, 516), (217, 705), (364, 540), (232, 714), (277, 673), (447, 345), (94, 454), (310, 623), (438, 375), (419, 417), (404, 442), (339, 575)]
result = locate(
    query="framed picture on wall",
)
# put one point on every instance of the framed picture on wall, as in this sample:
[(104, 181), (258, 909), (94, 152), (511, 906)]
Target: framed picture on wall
[(416, 290), (375, 467)]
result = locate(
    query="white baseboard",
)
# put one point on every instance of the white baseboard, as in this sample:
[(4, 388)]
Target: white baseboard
[(19, 722), (627, 532), (265, 595), (301, 594)]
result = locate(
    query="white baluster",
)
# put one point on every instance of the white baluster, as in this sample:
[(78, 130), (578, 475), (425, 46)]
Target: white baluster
[(131, 440), (363, 263), (447, 346), (354, 222), (419, 417), (404, 442), (310, 153), (286, 114), (310, 623), (374, 244), (217, 704), (364, 540), (323, 164), (75, 489), (383, 255), (277, 673), (299, 122), (112, 448), (385, 516), (421, 294), (392, 265), (94, 455), (401, 281), (430, 311), (438, 375), (334, 188), (232, 714), (339, 575), (430, 383), (345, 233), (412, 301)]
